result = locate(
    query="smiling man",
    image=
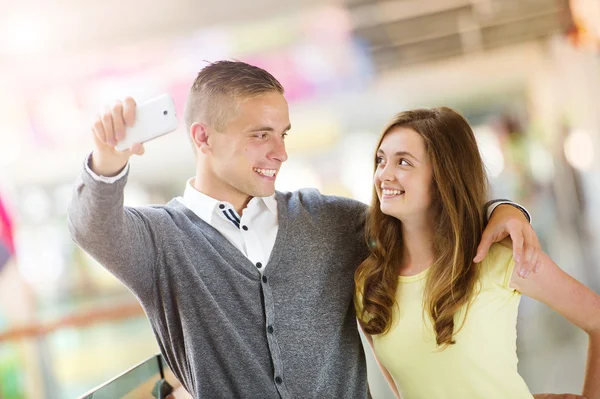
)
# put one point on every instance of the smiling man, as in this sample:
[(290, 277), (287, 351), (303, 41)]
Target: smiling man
[(248, 290)]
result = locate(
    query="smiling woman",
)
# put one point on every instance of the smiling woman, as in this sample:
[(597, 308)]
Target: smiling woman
[(442, 326)]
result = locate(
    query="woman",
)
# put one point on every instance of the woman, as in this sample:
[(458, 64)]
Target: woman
[(440, 325)]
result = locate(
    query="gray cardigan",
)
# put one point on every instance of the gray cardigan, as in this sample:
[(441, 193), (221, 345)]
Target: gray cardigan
[(226, 331)]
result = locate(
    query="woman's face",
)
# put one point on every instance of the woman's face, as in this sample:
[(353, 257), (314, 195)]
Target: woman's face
[(403, 179)]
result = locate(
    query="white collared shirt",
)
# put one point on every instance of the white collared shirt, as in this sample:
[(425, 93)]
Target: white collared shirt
[(253, 233)]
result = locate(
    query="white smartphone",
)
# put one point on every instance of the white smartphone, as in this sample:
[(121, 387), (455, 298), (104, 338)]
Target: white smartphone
[(153, 118)]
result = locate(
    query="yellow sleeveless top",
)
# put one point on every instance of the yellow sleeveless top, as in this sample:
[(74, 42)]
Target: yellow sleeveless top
[(482, 363)]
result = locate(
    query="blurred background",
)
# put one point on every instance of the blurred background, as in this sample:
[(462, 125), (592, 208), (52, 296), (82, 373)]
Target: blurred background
[(526, 74)]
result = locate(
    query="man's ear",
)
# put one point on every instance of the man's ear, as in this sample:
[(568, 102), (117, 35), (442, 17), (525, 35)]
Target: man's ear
[(199, 134)]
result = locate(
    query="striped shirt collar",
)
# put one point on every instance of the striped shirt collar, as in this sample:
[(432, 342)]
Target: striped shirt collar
[(205, 207)]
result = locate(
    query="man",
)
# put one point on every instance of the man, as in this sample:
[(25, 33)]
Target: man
[(248, 291)]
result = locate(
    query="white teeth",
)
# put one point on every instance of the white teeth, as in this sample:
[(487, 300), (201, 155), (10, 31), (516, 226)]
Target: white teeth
[(391, 192), (266, 172)]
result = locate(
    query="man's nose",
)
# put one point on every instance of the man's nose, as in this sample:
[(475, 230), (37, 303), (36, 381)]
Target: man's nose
[(278, 151)]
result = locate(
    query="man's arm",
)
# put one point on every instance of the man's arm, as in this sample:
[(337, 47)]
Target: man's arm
[(509, 219), (119, 238), (491, 205), (574, 301)]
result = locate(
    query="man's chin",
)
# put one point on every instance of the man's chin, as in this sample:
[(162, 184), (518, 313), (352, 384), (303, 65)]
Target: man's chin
[(267, 193), (264, 192)]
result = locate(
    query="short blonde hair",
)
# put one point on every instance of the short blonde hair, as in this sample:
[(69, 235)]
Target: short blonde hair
[(219, 89)]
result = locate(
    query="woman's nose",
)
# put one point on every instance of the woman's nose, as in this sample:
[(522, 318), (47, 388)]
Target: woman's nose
[(385, 174)]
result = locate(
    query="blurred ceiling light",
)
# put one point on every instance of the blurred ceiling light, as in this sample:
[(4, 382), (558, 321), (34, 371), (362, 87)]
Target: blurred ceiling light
[(541, 163), (579, 149), (23, 34), (489, 147)]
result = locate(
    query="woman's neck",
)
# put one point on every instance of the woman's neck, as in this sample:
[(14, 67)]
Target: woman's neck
[(417, 254)]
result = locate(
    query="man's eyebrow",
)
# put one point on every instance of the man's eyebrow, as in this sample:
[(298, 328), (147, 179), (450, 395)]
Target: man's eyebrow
[(268, 129)]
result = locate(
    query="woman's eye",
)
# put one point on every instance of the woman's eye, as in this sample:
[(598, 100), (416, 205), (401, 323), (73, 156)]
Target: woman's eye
[(404, 162), (378, 160)]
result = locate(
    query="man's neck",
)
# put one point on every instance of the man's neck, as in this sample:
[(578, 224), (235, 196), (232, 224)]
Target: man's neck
[(239, 202)]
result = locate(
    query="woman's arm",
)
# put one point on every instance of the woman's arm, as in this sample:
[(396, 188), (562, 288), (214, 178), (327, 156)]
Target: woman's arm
[(574, 301), (386, 374)]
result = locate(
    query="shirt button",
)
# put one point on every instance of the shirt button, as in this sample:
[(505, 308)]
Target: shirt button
[(221, 206), (264, 279), (245, 228), (259, 265), (278, 380), (270, 329)]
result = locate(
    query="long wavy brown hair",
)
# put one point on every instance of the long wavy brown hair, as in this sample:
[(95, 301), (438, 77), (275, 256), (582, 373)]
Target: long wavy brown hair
[(459, 189)]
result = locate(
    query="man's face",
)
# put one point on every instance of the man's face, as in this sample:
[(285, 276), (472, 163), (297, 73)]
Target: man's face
[(245, 158)]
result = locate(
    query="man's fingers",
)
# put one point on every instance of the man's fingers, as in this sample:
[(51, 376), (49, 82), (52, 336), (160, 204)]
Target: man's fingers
[(538, 250), (138, 149), (107, 124), (533, 250), (129, 111), (487, 239), (533, 262), (516, 235), (98, 129), (529, 252), (118, 121)]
